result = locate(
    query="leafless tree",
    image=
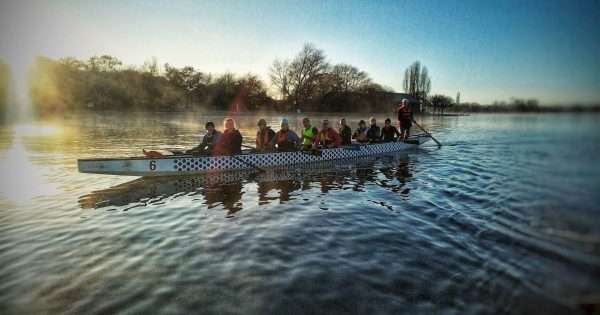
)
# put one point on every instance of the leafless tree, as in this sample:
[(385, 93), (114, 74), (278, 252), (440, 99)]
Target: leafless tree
[(279, 74), (349, 78), (298, 80)]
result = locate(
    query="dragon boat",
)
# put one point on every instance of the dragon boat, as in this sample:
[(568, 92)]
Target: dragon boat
[(189, 164)]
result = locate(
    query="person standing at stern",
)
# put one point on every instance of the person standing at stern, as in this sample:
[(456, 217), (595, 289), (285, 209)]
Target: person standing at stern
[(405, 119)]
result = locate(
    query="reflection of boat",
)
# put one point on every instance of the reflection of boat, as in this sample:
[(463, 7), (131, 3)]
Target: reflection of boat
[(280, 183), (154, 189), (186, 164)]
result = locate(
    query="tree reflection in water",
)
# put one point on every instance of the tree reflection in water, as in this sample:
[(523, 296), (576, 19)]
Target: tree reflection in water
[(228, 189)]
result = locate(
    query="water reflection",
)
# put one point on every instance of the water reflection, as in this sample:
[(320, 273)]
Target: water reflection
[(280, 185)]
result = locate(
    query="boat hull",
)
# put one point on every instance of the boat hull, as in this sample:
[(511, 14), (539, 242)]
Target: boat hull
[(187, 164)]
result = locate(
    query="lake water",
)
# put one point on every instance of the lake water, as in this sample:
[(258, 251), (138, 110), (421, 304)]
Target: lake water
[(503, 219)]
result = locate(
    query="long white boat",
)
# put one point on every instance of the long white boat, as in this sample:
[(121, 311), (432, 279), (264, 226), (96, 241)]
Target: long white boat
[(188, 164)]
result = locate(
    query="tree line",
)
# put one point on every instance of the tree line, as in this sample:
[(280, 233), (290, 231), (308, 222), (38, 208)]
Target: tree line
[(307, 82)]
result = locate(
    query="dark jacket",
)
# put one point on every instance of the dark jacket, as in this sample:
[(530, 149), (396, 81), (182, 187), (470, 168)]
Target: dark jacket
[(229, 143), (389, 134), (346, 134), (374, 133), (264, 137), (208, 142)]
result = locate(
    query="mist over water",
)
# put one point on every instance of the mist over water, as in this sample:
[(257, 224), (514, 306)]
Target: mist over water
[(503, 219)]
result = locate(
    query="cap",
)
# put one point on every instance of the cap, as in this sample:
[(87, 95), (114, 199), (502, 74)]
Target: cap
[(285, 122), (325, 121)]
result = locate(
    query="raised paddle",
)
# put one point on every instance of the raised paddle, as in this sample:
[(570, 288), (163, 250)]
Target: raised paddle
[(427, 133)]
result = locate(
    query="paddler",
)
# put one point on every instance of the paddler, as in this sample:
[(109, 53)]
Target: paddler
[(360, 134), (309, 134), (264, 135), (328, 137), (374, 132), (208, 141), (230, 141), (389, 132), (285, 139), (345, 132)]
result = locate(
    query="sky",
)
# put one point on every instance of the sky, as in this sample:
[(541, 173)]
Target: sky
[(486, 50)]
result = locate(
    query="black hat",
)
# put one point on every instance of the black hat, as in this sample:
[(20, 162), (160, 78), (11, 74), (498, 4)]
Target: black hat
[(362, 122), (210, 123)]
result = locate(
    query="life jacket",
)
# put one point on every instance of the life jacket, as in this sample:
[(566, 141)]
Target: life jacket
[(404, 112), (308, 134), (283, 143), (361, 135), (329, 136)]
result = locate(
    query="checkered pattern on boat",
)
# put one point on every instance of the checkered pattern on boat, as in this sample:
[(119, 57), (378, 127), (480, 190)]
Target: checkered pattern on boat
[(199, 164)]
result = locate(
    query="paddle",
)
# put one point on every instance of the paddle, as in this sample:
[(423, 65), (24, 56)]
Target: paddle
[(427, 133), (247, 163)]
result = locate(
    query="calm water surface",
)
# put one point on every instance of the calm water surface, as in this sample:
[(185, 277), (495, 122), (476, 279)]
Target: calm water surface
[(504, 219)]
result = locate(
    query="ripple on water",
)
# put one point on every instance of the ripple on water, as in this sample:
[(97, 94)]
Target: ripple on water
[(493, 223)]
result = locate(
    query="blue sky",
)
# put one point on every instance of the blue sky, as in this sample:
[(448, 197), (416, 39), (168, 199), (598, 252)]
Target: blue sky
[(487, 50)]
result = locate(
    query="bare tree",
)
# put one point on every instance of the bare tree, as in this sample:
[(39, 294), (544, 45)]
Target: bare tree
[(150, 67), (186, 77), (349, 78), (298, 80), (417, 81), (279, 73)]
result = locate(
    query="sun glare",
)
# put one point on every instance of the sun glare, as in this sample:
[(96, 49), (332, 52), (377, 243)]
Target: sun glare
[(22, 179), (27, 130)]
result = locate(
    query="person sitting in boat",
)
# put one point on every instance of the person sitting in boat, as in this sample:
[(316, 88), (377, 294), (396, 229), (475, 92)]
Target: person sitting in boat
[(264, 135), (360, 134), (309, 134), (345, 132), (405, 118), (230, 141), (328, 137), (208, 141), (285, 139), (389, 133), (374, 133)]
